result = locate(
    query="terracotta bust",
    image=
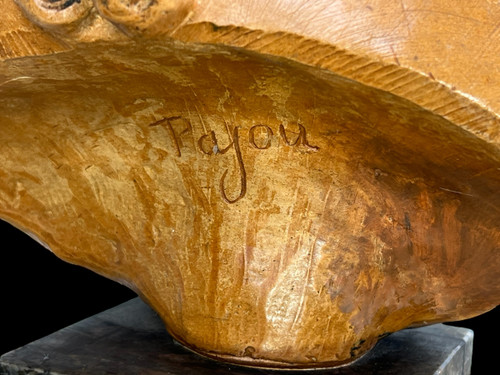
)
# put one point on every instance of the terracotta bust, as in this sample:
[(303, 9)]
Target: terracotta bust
[(284, 182)]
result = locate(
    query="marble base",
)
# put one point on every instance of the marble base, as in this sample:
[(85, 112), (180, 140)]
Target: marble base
[(131, 339)]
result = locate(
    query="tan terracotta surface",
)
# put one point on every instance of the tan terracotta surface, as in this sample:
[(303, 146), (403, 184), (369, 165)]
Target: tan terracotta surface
[(285, 183)]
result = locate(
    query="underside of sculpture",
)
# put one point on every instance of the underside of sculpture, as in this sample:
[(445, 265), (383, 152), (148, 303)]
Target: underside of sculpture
[(283, 193)]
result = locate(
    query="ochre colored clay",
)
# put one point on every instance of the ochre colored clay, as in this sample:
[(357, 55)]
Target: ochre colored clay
[(284, 183)]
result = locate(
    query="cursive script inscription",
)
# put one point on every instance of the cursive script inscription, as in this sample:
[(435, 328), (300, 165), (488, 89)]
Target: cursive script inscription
[(268, 136), (175, 136), (260, 137), (300, 140), (243, 173), (213, 147)]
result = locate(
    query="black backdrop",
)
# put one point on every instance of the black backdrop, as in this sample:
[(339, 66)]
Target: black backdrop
[(41, 294)]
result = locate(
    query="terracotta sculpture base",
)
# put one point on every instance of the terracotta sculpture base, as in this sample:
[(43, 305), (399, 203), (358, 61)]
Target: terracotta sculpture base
[(280, 202)]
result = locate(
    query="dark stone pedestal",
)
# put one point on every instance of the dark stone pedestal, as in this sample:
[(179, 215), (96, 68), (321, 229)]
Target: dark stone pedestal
[(131, 339)]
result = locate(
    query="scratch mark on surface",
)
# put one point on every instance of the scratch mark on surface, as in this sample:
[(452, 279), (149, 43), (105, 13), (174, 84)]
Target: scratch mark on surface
[(394, 55), (245, 251), (444, 13), (201, 119), (307, 280), (405, 15), (455, 191), (228, 131), (15, 79), (190, 116)]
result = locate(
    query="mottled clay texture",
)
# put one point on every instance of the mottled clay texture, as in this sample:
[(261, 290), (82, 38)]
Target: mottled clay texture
[(273, 212)]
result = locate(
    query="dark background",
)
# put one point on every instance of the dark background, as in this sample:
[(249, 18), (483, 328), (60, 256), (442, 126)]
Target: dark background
[(41, 294)]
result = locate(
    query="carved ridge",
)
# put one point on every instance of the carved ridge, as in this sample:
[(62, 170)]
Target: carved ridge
[(467, 113)]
